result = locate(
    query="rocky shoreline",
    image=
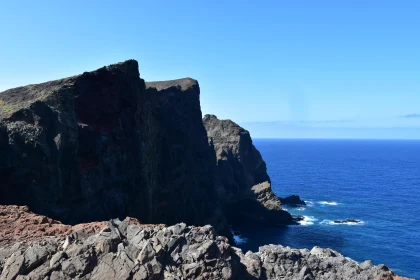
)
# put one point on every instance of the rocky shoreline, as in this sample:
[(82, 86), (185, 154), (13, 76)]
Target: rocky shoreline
[(106, 145), (37, 247)]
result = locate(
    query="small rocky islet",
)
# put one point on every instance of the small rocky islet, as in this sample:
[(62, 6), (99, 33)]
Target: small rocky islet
[(106, 145), (347, 221)]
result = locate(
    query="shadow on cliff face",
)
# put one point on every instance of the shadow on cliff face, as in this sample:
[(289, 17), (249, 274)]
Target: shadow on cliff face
[(242, 181), (101, 145), (105, 144)]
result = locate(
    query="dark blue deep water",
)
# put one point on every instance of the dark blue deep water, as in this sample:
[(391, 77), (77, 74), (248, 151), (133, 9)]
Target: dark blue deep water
[(375, 181)]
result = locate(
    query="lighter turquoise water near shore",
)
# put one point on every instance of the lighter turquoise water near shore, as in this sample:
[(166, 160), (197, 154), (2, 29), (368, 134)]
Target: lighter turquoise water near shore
[(375, 181)]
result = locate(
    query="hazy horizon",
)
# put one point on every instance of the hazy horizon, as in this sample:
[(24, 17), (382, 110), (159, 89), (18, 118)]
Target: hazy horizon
[(333, 130)]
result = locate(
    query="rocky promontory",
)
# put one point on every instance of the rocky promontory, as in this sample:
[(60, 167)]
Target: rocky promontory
[(105, 144), (242, 180), (102, 145)]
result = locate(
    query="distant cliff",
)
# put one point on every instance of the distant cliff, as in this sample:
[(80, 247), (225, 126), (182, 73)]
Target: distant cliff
[(242, 180)]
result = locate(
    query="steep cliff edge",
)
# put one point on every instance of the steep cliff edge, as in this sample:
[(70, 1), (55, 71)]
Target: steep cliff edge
[(100, 145), (241, 178), (186, 162), (36, 247)]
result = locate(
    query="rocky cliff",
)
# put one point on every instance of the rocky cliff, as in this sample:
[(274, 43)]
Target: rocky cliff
[(104, 145), (37, 247), (100, 145), (241, 178)]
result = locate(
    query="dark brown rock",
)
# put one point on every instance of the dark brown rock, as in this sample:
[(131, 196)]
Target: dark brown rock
[(293, 200), (184, 161), (242, 181)]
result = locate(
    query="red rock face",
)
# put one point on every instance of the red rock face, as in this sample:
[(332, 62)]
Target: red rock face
[(17, 223)]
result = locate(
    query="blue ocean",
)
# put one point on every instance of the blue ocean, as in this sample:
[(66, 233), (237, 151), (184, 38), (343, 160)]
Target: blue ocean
[(374, 181)]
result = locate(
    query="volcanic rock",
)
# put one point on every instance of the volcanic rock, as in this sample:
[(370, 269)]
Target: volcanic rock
[(99, 145), (293, 200), (241, 179), (129, 250)]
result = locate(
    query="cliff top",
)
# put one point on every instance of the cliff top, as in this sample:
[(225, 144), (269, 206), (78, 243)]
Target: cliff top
[(184, 84), (15, 99), (224, 131)]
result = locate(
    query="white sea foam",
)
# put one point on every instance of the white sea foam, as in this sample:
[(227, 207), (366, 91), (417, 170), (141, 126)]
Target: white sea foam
[(325, 222), (325, 202), (329, 222), (307, 220), (350, 223), (300, 209), (309, 203)]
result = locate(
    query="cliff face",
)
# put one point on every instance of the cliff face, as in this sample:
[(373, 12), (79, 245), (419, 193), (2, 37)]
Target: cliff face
[(71, 148), (100, 145), (241, 178), (185, 167)]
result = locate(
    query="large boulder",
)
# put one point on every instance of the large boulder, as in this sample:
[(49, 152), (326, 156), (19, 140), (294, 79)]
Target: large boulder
[(242, 181)]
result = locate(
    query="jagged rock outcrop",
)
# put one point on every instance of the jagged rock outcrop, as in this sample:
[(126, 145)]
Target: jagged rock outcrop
[(129, 250), (293, 200), (241, 177), (99, 145)]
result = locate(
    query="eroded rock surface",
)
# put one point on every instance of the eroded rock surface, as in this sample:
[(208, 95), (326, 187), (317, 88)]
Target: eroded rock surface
[(241, 177), (129, 250)]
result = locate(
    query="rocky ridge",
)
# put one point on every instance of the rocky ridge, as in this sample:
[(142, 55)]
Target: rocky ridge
[(129, 250)]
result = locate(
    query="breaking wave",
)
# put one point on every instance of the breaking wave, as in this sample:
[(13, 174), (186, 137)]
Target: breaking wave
[(345, 222), (328, 202), (307, 220)]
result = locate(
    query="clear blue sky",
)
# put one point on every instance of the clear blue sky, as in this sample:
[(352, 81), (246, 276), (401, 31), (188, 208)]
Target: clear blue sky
[(332, 68)]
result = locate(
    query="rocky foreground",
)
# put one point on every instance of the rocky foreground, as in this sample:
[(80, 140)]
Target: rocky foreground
[(37, 247)]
